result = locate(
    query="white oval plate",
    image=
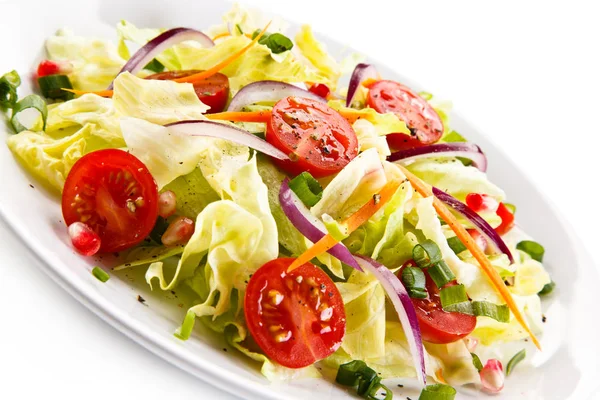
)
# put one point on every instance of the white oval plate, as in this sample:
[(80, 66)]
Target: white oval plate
[(567, 368)]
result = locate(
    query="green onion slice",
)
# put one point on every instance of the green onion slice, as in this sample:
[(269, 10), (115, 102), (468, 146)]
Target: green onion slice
[(414, 280), (438, 392), (477, 362), (453, 295), (441, 274), (9, 83), (517, 358), (31, 101), (357, 373), (100, 274), (155, 66), (456, 245), (185, 330), (547, 289), (499, 312), (427, 253), (534, 249), (52, 87), (307, 189)]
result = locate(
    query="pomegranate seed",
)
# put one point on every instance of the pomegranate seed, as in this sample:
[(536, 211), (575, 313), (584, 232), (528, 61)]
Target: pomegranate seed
[(481, 202), (48, 67), (479, 239), (178, 232), (471, 344), (492, 376), (84, 239), (167, 204), (320, 89)]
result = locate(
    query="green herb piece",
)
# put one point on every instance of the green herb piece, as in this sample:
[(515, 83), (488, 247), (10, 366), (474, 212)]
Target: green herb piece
[(414, 280), (499, 312), (547, 289), (276, 42), (185, 330), (477, 362), (31, 101), (426, 254), (100, 274), (308, 190), (534, 249), (438, 392), (516, 359), (367, 382), (239, 29), (155, 66), (52, 86), (456, 245), (441, 274), (9, 83), (452, 295)]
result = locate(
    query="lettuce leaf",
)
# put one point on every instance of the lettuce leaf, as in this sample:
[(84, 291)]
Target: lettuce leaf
[(384, 123), (95, 62), (315, 52), (368, 138), (160, 102), (193, 193)]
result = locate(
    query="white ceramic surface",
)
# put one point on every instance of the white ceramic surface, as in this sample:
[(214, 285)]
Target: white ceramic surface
[(569, 356)]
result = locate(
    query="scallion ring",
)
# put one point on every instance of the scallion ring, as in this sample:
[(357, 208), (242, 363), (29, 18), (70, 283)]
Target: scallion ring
[(413, 279), (453, 295), (357, 374), (456, 245), (31, 101), (440, 273), (438, 391), (516, 359), (427, 253), (306, 188), (547, 289), (9, 83)]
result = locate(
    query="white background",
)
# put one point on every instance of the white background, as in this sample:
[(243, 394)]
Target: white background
[(527, 74)]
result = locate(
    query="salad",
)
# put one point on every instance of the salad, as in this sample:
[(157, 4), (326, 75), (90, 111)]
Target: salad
[(326, 229)]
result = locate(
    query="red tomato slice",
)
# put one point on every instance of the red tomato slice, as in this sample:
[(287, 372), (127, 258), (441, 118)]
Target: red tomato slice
[(508, 219), (296, 318), (402, 141), (113, 193), (437, 325), (317, 138), (420, 117), (212, 91)]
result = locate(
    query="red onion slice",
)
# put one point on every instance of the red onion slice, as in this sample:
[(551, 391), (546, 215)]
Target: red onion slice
[(479, 223), (308, 225), (268, 91), (361, 73), (404, 307), (161, 43), (465, 150), (227, 132)]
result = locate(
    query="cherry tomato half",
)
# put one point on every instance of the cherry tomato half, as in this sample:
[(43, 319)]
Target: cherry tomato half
[(212, 91), (317, 138), (113, 193), (296, 318), (402, 141), (420, 117), (437, 325)]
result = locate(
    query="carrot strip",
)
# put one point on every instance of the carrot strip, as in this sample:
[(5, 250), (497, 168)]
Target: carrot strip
[(221, 35), (103, 93), (211, 71), (466, 239), (440, 376), (252, 116), (369, 82), (351, 223)]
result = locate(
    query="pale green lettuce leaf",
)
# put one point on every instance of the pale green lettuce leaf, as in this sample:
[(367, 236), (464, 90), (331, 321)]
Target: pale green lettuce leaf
[(456, 363), (454, 177), (157, 101), (246, 19), (145, 255), (368, 138), (384, 123), (316, 53), (530, 278), (193, 193), (95, 62)]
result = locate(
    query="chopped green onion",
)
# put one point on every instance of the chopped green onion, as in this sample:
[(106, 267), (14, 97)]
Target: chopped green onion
[(427, 253), (239, 29), (185, 330), (52, 87), (517, 358), (307, 189), (477, 362), (511, 207), (31, 101), (456, 245), (453, 137), (414, 280), (441, 274), (368, 383), (276, 42), (453, 295), (100, 274), (534, 249), (547, 289), (438, 392), (500, 313), (9, 83), (426, 95), (155, 66)]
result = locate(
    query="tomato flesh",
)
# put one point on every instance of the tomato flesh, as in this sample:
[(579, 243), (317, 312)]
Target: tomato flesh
[(212, 91), (113, 193), (508, 219), (402, 141), (48, 67), (390, 96), (320, 89), (296, 318), (316, 137), (439, 326)]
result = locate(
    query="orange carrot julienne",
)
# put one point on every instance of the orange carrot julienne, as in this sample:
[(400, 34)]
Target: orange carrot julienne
[(369, 82), (103, 93), (466, 239), (440, 376), (251, 116), (211, 71), (351, 223), (221, 35)]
